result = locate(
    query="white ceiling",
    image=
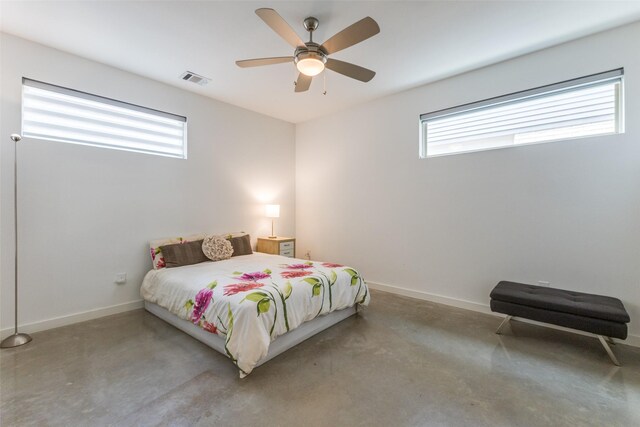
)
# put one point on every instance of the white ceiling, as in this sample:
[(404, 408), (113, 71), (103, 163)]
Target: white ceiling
[(419, 42)]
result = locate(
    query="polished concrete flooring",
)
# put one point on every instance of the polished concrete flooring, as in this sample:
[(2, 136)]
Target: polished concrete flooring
[(403, 362)]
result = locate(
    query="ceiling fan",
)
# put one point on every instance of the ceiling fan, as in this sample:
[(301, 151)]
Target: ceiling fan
[(310, 57)]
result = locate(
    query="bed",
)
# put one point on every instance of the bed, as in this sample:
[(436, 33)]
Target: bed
[(253, 307)]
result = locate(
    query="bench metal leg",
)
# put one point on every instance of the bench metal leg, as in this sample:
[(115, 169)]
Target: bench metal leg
[(502, 325), (604, 343)]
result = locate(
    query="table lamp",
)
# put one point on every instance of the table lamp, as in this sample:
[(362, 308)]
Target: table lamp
[(272, 211)]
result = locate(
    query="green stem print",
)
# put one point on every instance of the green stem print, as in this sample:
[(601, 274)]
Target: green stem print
[(263, 299), (355, 279), (366, 291), (224, 330), (263, 304), (287, 290), (229, 333), (316, 286), (330, 281), (321, 302), (275, 314)]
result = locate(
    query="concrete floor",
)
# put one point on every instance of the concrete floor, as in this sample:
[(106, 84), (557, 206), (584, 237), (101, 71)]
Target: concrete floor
[(403, 362)]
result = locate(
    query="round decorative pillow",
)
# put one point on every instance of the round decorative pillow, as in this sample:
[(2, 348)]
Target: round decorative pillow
[(217, 248)]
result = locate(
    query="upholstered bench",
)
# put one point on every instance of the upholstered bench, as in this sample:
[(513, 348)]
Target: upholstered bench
[(603, 316)]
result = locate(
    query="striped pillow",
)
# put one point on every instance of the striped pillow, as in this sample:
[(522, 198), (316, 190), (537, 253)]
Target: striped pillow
[(179, 254)]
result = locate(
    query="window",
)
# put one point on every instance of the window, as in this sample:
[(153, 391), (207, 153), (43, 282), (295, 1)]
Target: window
[(59, 114), (576, 108)]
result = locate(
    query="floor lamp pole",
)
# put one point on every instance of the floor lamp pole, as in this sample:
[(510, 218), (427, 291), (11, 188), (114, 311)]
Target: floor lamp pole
[(16, 339)]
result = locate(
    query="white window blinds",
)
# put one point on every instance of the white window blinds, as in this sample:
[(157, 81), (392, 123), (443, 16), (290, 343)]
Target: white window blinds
[(55, 113), (577, 108)]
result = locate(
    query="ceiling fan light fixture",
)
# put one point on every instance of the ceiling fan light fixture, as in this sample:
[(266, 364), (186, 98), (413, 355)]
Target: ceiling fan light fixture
[(310, 67), (310, 63)]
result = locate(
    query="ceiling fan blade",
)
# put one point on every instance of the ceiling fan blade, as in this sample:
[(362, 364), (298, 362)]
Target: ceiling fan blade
[(303, 83), (350, 70), (280, 26), (258, 62), (353, 34)]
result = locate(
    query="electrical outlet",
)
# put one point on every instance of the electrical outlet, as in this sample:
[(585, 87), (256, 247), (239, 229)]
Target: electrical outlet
[(544, 283), (121, 278), (308, 255)]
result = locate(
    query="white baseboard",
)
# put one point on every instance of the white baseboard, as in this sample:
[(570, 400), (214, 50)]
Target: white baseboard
[(56, 322), (632, 340)]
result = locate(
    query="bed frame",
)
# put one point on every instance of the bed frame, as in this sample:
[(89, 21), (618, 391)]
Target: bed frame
[(279, 345)]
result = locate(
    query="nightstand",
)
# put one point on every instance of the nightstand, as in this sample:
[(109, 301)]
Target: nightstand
[(285, 246)]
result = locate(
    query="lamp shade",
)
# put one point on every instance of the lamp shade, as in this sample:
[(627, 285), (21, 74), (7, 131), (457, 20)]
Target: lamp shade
[(272, 211)]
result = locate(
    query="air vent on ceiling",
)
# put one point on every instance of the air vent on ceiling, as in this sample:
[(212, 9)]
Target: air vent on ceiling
[(195, 78)]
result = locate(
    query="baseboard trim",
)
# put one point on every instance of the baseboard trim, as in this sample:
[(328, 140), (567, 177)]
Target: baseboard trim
[(56, 322), (632, 340), (83, 316)]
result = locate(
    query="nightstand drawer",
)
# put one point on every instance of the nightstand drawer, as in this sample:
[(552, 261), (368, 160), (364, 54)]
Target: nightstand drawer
[(286, 245)]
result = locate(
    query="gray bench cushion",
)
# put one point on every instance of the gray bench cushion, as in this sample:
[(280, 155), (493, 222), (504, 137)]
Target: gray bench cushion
[(581, 304), (582, 323)]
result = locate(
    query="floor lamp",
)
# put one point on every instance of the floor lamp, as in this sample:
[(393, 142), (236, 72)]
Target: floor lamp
[(17, 339)]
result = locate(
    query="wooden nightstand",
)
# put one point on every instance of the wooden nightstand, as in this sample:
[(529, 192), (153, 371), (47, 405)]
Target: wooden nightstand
[(285, 246)]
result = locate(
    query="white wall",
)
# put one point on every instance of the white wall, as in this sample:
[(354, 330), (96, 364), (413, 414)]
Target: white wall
[(87, 213), (451, 226), (567, 212)]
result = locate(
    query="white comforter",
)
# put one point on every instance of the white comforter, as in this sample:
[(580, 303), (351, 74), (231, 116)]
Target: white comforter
[(252, 299)]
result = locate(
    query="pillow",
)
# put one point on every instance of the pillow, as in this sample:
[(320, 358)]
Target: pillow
[(241, 245), (156, 253), (217, 248), (180, 254)]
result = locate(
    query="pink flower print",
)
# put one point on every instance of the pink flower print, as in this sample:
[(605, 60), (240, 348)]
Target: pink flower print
[(153, 254), (252, 277), (331, 265), (161, 263), (203, 298), (294, 274), (209, 327), (241, 287), (298, 266)]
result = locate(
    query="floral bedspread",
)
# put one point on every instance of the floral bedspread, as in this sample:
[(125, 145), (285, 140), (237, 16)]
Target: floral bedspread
[(252, 299)]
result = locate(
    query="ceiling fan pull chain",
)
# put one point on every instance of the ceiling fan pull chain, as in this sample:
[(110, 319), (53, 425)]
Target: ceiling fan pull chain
[(295, 75), (324, 83)]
